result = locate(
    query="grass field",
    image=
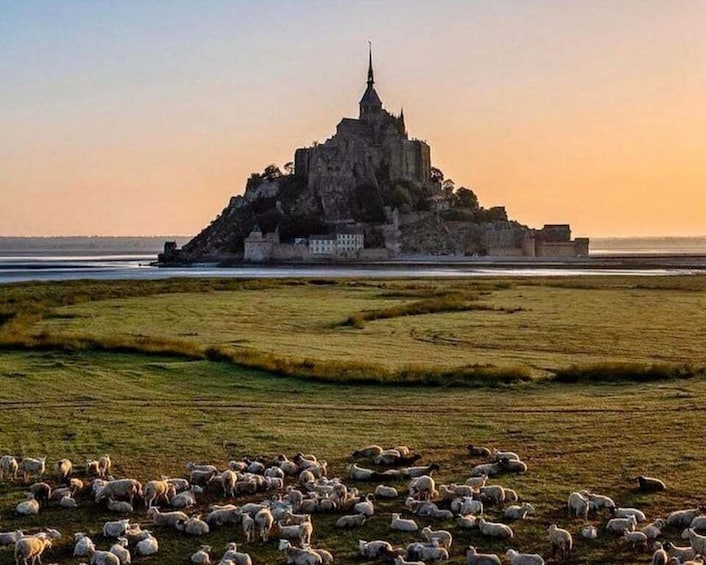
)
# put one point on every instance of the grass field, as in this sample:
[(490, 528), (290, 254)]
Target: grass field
[(154, 413)]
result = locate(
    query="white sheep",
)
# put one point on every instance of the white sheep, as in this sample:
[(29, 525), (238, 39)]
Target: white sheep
[(635, 539), (578, 505), (475, 558), (202, 556), (148, 544), (31, 547), (264, 521), (154, 490), (63, 469), (698, 542), (99, 557), (423, 487), (509, 455), (358, 473), (477, 482), (516, 512), (194, 526), (654, 530), (351, 521), (32, 467), (373, 549), (621, 525), (121, 488), (598, 501), (425, 552), (403, 524), (560, 539), (517, 558), (9, 538), (365, 506), (120, 506), (442, 537), (513, 465), (659, 557), (249, 528), (684, 553), (121, 551), (589, 532), (698, 523), (27, 507), (384, 491), (494, 494), (467, 522), (403, 561), (8, 467), (639, 515), (166, 518), (84, 545), (104, 465), (466, 505), (683, 518), (299, 532), (68, 501), (369, 451), (116, 528), (297, 556), (494, 529), (486, 469), (234, 556)]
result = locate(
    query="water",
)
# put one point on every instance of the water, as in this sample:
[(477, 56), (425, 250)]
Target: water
[(45, 259)]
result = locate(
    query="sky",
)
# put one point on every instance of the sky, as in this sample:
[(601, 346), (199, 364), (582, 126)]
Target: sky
[(143, 118)]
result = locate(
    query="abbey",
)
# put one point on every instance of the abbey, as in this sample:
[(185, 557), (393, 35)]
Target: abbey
[(373, 146)]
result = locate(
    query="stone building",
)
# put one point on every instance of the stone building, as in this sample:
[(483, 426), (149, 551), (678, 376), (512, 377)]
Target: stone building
[(259, 247), (374, 145)]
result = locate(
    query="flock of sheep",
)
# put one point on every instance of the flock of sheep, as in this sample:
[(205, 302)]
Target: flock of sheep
[(283, 494)]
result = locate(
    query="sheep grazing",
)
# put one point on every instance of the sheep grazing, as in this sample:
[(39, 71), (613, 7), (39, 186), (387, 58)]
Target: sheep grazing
[(560, 539), (683, 518), (517, 558), (476, 451), (232, 555), (494, 529), (168, 519), (697, 542), (636, 539), (264, 521), (63, 469), (423, 487), (475, 558), (578, 505), (649, 484), (494, 494), (351, 521), (621, 525), (115, 529), (202, 556), (373, 549), (8, 467), (121, 551), (296, 532), (147, 545), (121, 488), (41, 493), (27, 507), (516, 512), (384, 491), (31, 547), (589, 532), (194, 526), (403, 524), (442, 538), (654, 530), (684, 553), (154, 490), (83, 546), (30, 467)]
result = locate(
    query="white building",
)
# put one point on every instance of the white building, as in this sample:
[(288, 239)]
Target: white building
[(322, 245), (346, 243)]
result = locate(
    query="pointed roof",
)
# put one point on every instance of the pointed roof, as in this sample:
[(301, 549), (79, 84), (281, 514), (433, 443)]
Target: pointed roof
[(370, 97)]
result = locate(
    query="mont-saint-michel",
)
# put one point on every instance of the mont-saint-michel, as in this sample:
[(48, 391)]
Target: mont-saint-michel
[(369, 192)]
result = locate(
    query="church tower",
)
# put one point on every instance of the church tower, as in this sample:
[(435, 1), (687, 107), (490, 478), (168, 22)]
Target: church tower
[(370, 103)]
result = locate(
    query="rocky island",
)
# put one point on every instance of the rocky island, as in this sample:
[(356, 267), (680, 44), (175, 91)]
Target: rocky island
[(367, 193)]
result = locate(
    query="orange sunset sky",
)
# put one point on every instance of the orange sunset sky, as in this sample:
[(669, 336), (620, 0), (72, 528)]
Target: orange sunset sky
[(143, 118)]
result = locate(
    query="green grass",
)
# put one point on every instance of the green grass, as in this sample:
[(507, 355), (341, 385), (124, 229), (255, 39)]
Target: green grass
[(155, 414)]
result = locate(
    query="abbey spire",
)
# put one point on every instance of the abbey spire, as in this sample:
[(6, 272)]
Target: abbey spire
[(370, 103)]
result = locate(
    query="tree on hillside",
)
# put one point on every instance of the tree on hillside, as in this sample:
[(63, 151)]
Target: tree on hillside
[(448, 187), (271, 172), (288, 168), (466, 198), (436, 175)]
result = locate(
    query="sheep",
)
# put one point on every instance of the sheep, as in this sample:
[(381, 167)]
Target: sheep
[(32, 467), (698, 542), (358, 473), (698, 523), (369, 451), (232, 555), (297, 556), (9, 467), (351, 521), (84, 546), (475, 558), (441, 514), (589, 532), (424, 552), (373, 549), (76, 485), (653, 530), (104, 558), (509, 455), (326, 556), (227, 480), (402, 561), (201, 477), (620, 525), (403, 524), (365, 506), (31, 547), (420, 471), (513, 465), (516, 512), (466, 505), (148, 545), (423, 487), (517, 558), (115, 529), (683, 518), (184, 499), (493, 493), (635, 539), (121, 551), (627, 512), (27, 507), (560, 539), (467, 522), (476, 482), (166, 518), (299, 532), (249, 528), (255, 467), (227, 515), (194, 526), (41, 493), (120, 506), (659, 557), (68, 501), (684, 553), (494, 529), (264, 521), (598, 501), (202, 557), (384, 491), (477, 451), (442, 537), (61, 492), (649, 484), (578, 505), (104, 465), (154, 490), (121, 488), (9, 538)]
